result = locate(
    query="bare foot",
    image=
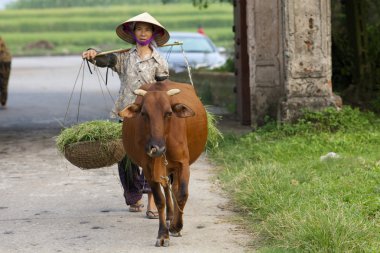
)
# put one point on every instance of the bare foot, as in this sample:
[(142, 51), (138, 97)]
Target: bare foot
[(151, 205), (136, 207)]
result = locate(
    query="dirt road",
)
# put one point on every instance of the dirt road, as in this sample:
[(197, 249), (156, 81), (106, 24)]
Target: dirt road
[(49, 205)]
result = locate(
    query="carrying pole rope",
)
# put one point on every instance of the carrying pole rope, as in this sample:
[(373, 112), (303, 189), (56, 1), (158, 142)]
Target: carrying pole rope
[(177, 43), (96, 70), (98, 73), (99, 76), (72, 92), (80, 95), (187, 65)]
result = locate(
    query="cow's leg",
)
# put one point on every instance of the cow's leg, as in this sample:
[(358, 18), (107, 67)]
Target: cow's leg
[(159, 199), (169, 205), (181, 193)]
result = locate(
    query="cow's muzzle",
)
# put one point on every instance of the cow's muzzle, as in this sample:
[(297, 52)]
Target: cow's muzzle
[(155, 151)]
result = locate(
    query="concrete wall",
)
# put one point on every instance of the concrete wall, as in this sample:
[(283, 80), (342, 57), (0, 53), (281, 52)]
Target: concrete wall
[(265, 49), (308, 56)]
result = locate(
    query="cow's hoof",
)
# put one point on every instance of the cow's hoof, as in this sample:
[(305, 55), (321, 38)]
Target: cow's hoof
[(176, 234), (162, 242)]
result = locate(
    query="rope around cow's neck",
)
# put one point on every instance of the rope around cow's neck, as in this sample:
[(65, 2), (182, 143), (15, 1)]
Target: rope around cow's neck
[(171, 190), (166, 178)]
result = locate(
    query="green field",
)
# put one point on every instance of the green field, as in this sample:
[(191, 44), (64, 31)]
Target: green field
[(71, 30)]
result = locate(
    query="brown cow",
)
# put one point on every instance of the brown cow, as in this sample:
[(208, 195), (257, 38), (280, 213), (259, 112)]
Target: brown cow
[(165, 131)]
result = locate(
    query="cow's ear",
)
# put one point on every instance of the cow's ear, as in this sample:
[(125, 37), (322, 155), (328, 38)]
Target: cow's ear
[(182, 111), (130, 111)]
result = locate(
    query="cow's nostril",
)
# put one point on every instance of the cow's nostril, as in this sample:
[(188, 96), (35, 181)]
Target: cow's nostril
[(155, 150)]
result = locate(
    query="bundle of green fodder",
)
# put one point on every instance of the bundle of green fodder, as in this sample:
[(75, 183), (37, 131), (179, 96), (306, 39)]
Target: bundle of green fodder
[(214, 135), (92, 144)]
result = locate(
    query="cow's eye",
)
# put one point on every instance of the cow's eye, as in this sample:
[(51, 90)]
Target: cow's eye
[(168, 114), (143, 114)]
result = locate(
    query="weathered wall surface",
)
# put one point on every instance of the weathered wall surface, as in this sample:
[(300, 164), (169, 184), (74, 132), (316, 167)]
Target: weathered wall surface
[(265, 50), (307, 44), (290, 58)]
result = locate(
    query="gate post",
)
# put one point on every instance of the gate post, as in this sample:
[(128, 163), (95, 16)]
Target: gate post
[(241, 62), (289, 49)]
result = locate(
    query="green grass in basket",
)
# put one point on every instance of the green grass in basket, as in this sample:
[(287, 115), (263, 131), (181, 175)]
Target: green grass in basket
[(89, 131)]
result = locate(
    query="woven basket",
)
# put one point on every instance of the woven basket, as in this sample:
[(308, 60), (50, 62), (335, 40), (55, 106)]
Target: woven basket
[(94, 154)]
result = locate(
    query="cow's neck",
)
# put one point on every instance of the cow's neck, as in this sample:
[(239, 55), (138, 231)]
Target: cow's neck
[(159, 172)]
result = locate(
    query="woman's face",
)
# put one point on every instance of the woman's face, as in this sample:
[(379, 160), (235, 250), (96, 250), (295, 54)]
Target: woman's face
[(143, 31)]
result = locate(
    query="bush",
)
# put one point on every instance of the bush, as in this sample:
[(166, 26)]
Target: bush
[(229, 66), (328, 120)]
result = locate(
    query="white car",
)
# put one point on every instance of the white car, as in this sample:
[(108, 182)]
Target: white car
[(199, 50)]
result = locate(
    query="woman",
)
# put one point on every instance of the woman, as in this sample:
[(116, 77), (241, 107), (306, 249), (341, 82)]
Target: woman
[(141, 64)]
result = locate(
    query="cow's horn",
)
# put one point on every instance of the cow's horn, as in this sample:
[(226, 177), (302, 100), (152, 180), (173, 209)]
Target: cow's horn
[(173, 92), (140, 92)]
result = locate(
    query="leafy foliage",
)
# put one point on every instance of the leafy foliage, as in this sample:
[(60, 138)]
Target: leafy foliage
[(229, 66), (39, 4), (343, 53), (202, 4)]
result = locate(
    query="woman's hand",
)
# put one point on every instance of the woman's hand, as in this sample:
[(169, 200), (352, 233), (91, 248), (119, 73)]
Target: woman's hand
[(89, 54)]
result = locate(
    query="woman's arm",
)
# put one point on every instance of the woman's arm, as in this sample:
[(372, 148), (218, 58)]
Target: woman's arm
[(108, 60)]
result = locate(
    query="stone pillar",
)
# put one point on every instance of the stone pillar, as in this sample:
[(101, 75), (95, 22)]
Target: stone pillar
[(290, 57)]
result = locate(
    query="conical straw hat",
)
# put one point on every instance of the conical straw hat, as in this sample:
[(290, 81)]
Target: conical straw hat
[(161, 37)]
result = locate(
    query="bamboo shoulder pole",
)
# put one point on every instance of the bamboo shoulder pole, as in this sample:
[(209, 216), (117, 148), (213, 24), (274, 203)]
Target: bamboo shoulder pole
[(176, 43)]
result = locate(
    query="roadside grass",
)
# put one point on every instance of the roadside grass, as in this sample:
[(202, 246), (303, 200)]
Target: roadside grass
[(298, 202), (72, 30)]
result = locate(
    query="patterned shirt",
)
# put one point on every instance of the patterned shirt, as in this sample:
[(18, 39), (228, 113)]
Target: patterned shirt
[(134, 72)]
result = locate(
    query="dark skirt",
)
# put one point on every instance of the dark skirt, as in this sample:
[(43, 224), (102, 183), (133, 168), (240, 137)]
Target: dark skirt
[(132, 180)]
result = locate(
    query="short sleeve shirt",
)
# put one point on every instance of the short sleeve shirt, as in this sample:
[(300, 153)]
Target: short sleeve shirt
[(134, 72)]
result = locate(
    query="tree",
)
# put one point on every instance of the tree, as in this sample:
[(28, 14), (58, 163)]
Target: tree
[(356, 51)]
